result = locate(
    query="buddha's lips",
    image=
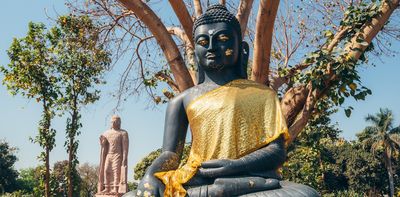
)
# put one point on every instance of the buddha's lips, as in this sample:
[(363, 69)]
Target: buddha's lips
[(211, 56)]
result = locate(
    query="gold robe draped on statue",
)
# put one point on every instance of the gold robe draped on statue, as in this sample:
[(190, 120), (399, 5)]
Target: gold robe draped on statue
[(228, 122)]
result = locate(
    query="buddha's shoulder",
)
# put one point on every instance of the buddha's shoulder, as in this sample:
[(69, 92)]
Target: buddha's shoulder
[(124, 132), (181, 98), (190, 94), (250, 85)]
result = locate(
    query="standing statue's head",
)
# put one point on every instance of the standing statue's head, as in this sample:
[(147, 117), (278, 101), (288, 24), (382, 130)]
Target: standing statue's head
[(218, 42), (115, 122)]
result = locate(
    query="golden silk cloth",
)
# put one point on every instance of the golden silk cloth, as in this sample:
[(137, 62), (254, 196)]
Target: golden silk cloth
[(228, 122)]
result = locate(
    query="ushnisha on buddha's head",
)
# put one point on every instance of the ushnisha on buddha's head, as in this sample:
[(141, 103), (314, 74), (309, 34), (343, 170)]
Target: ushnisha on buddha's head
[(115, 122), (218, 40)]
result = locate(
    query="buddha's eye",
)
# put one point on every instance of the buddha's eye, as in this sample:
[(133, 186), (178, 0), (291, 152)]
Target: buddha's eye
[(202, 42), (223, 38)]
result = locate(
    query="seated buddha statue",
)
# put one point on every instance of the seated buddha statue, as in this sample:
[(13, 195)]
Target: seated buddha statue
[(238, 133)]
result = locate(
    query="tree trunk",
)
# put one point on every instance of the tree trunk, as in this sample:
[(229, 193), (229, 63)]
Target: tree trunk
[(243, 14), (69, 176), (184, 18), (71, 148), (292, 103), (263, 40), (47, 166), (389, 171), (198, 10), (45, 133)]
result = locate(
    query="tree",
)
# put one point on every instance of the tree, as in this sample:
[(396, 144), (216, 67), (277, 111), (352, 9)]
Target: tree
[(28, 181), (383, 135), (363, 170), (8, 174), (312, 159), (80, 61), (30, 73), (59, 182), (329, 70), (89, 178)]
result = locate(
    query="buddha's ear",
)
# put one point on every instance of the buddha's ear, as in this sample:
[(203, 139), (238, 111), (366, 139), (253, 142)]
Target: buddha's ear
[(200, 72), (244, 59)]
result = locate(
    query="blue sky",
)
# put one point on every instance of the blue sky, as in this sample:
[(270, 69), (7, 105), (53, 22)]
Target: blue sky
[(19, 116)]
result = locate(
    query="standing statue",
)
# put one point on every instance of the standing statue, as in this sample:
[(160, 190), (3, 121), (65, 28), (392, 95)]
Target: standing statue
[(239, 134), (113, 160)]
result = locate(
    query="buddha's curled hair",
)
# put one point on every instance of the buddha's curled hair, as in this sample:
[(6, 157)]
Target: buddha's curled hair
[(215, 14)]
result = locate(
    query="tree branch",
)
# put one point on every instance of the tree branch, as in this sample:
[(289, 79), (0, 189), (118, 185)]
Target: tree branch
[(337, 38), (278, 81), (371, 29), (184, 18), (180, 34), (189, 51), (368, 32), (198, 10), (164, 39), (263, 41), (243, 14), (164, 77)]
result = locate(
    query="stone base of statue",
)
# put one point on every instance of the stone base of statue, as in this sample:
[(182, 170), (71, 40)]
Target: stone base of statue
[(109, 195), (287, 189)]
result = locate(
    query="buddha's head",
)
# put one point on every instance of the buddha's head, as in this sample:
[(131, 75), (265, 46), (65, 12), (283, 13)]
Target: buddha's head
[(115, 122), (218, 42)]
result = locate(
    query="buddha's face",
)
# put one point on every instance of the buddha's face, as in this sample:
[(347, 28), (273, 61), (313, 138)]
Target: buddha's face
[(115, 123), (216, 46)]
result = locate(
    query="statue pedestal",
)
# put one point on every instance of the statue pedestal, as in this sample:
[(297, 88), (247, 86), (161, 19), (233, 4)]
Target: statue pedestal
[(109, 195)]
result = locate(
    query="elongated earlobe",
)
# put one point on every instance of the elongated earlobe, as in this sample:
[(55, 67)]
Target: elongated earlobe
[(244, 59)]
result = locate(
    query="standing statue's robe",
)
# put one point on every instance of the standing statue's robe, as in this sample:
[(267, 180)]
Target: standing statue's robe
[(228, 122)]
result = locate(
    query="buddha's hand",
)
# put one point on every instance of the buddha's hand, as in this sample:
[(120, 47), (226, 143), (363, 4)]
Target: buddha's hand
[(149, 186), (219, 168)]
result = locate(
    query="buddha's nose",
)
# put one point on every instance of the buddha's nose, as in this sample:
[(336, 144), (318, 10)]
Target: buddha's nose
[(211, 46)]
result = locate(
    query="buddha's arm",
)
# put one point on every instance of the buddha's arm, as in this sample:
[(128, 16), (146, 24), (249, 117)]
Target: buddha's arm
[(175, 129), (267, 158), (125, 148), (270, 157)]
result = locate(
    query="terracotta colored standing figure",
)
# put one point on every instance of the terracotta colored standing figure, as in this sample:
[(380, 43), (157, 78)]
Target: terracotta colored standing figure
[(113, 160)]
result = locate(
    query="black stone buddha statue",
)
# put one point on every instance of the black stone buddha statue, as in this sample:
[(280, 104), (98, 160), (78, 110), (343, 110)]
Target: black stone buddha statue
[(239, 134)]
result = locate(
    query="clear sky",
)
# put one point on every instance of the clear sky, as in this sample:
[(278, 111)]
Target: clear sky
[(19, 116)]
